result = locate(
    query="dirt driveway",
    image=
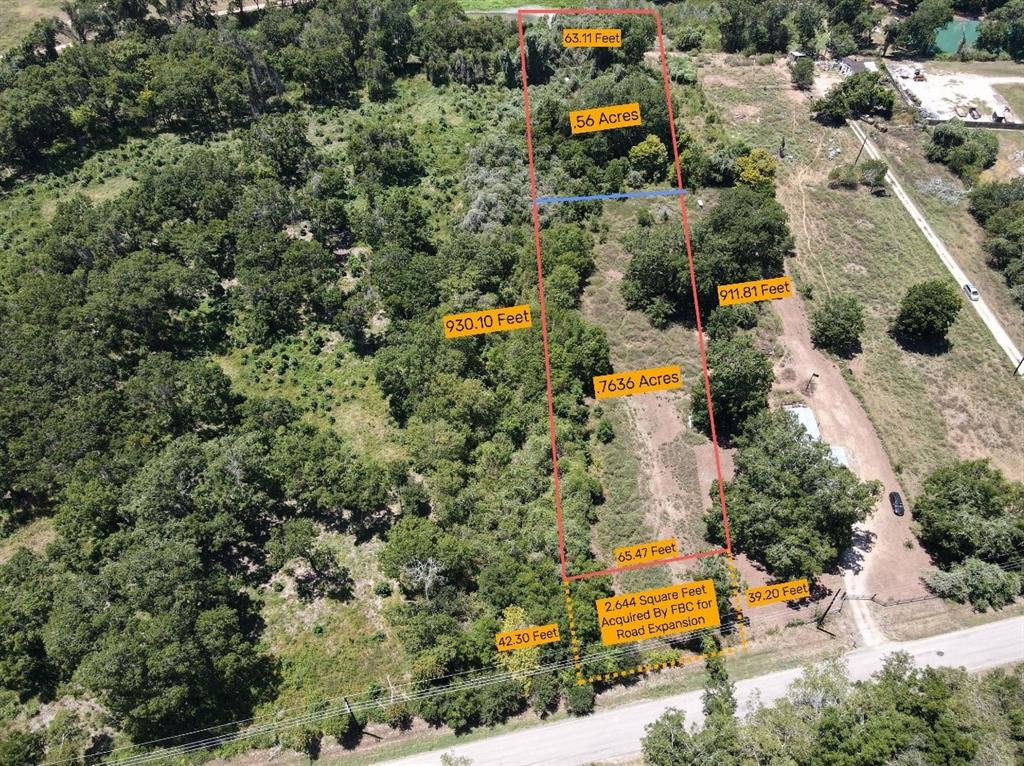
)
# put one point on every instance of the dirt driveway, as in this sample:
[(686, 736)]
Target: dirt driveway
[(881, 563)]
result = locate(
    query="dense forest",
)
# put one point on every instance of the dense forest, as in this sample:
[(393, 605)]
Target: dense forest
[(171, 352)]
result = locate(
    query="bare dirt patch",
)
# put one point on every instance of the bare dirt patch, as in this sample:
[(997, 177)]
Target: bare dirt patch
[(882, 565)]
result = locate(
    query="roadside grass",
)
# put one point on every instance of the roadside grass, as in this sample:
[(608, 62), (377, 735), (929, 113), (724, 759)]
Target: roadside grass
[(928, 410), (1014, 95), (904, 149), (802, 645), (990, 68)]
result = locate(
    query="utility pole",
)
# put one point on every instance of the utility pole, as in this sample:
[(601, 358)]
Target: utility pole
[(810, 380), (863, 144)]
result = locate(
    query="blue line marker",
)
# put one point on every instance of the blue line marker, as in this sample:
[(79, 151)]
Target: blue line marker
[(623, 195)]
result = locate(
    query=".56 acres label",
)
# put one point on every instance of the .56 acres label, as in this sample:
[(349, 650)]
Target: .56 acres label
[(605, 118)]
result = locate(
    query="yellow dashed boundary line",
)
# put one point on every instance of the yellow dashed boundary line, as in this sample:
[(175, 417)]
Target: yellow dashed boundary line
[(572, 636), (581, 680)]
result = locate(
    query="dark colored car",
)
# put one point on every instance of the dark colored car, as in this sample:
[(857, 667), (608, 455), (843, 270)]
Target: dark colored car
[(896, 502)]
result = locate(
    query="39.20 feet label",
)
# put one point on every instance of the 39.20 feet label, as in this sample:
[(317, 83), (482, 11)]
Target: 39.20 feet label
[(605, 118), (772, 594), (491, 320), (637, 382)]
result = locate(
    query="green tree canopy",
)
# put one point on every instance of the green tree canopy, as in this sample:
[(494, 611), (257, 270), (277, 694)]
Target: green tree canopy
[(927, 311), (791, 506)]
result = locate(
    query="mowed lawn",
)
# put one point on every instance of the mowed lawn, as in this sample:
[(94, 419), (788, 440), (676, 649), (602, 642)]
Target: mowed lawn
[(928, 409)]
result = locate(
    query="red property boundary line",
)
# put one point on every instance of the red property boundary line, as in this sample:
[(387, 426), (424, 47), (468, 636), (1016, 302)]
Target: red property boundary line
[(727, 550)]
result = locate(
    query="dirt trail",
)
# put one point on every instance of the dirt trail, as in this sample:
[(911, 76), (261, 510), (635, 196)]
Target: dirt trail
[(879, 563), (656, 424)]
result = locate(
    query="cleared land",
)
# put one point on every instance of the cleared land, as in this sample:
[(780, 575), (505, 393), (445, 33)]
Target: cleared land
[(650, 469), (928, 410), (949, 85)]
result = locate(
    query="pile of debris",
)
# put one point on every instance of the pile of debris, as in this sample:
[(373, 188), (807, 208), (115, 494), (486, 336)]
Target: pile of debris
[(945, 191)]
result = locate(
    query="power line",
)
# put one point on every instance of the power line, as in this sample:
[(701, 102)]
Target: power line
[(408, 692)]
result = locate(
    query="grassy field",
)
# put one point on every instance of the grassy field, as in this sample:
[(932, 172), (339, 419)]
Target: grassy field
[(1014, 95), (904, 147), (928, 409), (18, 16), (329, 648), (501, 5)]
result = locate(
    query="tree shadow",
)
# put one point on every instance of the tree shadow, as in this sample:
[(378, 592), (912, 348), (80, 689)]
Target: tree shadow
[(925, 346), (852, 558)]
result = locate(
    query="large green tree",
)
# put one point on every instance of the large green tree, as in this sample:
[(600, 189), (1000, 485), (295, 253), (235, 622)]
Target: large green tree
[(741, 378), (926, 312), (791, 506)]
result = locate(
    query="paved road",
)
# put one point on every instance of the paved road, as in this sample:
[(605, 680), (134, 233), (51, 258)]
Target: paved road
[(993, 324), (616, 733)]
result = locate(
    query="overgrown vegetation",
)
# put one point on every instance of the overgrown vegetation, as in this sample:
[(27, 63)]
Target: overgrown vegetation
[(965, 151), (999, 207), (902, 713), (794, 521), (970, 520)]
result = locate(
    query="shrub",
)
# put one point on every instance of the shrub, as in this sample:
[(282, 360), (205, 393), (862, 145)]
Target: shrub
[(837, 325), (579, 700), (757, 171), (983, 585), (649, 158), (682, 70), (965, 151), (604, 432), (802, 71)]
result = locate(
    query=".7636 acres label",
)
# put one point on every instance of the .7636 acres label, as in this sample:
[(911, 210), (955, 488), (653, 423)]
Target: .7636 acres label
[(637, 382)]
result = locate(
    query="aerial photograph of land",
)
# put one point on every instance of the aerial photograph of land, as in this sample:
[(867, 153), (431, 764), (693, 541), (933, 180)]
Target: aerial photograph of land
[(458, 383)]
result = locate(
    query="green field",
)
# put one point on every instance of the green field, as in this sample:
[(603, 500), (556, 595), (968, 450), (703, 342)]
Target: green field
[(928, 410), (17, 17)]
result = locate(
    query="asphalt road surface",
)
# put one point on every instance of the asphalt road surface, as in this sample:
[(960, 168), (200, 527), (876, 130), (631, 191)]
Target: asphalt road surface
[(616, 733), (993, 324)]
